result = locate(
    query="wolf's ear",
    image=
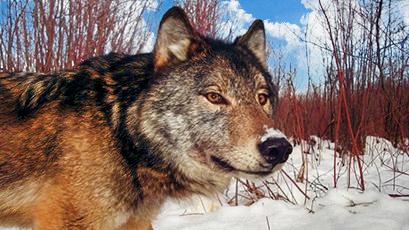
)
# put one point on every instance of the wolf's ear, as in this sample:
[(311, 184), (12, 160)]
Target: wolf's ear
[(175, 39), (255, 40)]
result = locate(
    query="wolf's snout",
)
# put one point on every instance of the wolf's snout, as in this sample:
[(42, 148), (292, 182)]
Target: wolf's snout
[(275, 150)]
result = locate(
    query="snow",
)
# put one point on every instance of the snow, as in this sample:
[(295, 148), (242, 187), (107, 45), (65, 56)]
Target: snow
[(327, 208), (272, 133), (386, 173), (340, 209)]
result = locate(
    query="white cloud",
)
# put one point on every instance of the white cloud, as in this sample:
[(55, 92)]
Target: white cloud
[(315, 27), (404, 10), (310, 4), (317, 37), (235, 7), (135, 27), (234, 20), (283, 30), (149, 44), (238, 21)]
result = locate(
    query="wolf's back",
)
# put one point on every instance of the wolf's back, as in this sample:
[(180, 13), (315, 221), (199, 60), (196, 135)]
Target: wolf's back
[(95, 80)]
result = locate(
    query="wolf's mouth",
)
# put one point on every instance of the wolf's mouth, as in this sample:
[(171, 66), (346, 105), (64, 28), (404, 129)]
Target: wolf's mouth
[(229, 168), (222, 164)]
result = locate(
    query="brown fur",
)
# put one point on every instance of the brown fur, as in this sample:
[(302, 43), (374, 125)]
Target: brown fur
[(102, 147)]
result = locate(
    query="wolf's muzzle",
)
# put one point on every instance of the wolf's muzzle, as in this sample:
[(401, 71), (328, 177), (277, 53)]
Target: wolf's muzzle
[(275, 150)]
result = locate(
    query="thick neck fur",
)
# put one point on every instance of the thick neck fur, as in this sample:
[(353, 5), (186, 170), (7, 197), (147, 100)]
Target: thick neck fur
[(146, 159)]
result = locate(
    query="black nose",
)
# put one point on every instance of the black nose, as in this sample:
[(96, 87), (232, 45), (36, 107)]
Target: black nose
[(275, 150)]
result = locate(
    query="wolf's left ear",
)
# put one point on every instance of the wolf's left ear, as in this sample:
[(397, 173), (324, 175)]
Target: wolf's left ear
[(175, 40), (255, 40)]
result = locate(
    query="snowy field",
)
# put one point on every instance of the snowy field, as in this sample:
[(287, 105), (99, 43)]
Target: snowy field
[(281, 203), (383, 205)]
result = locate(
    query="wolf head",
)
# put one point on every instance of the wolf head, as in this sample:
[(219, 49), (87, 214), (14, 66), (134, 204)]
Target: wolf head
[(211, 103)]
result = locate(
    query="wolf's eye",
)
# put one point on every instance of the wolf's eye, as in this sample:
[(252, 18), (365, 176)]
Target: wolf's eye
[(262, 98), (215, 98)]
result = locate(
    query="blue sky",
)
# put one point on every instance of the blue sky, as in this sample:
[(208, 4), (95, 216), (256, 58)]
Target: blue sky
[(280, 16), (275, 10), (289, 11)]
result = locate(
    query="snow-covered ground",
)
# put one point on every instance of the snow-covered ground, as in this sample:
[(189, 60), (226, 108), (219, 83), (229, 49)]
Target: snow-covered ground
[(383, 205)]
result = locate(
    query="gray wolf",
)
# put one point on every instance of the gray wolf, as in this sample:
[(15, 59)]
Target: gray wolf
[(102, 146)]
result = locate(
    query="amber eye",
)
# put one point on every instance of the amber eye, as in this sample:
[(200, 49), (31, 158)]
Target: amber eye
[(262, 98), (215, 98)]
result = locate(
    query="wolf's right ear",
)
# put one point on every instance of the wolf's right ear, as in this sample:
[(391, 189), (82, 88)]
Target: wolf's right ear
[(175, 40)]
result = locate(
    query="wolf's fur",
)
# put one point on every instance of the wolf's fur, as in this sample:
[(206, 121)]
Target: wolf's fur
[(103, 146)]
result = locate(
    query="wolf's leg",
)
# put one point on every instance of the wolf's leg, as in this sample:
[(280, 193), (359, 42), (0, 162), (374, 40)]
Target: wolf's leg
[(136, 223)]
